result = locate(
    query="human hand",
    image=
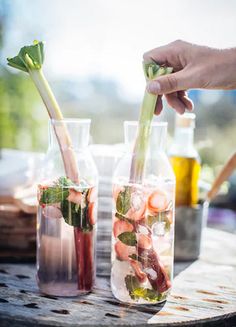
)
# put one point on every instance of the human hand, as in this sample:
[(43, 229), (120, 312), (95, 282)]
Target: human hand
[(194, 67)]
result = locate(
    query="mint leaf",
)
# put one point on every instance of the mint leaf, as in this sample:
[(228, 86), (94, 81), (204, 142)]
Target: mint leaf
[(76, 215), (65, 182), (121, 217), (147, 294), (57, 193), (123, 202), (54, 194), (136, 291), (128, 238), (131, 283), (134, 257)]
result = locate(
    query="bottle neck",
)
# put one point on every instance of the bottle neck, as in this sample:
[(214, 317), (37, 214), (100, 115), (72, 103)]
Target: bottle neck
[(69, 133), (183, 144), (157, 137)]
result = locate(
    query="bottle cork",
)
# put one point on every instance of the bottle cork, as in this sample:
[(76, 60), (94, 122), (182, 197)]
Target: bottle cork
[(187, 120)]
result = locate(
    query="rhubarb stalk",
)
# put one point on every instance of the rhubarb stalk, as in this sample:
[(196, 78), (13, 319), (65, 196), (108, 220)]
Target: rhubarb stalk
[(151, 71), (30, 59)]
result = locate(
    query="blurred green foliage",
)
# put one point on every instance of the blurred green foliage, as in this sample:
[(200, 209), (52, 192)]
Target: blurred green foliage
[(23, 118), (19, 122)]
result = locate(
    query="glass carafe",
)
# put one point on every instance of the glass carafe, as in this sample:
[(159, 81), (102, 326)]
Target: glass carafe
[(66, 220), (143, 223)]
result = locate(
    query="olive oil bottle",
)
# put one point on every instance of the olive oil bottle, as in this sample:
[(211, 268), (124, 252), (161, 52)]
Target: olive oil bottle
[(185, 161)]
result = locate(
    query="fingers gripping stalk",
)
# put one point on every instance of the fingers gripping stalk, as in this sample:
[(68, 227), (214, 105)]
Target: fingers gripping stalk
[(151, 71)]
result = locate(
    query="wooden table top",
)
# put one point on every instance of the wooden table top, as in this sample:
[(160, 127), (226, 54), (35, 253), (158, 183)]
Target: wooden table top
[(203, 293)]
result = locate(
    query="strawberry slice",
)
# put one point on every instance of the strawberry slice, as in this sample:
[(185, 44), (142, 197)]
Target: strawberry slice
[(144, 241), (124, 251), (116, 190), (92, 213), (136, 215), (74, 196), (92, 194), (142, 277), (121, 226), (157, 201)]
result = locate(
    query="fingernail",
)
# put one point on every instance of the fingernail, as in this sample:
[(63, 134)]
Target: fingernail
[(154, 87)]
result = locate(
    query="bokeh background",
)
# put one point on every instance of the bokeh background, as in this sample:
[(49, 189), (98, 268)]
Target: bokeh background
[(93, 62)]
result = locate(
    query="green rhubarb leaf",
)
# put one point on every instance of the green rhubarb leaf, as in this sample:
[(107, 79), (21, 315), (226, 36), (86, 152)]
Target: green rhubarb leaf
[(123, 202), (152, 70), (128, 238), (29, 57)]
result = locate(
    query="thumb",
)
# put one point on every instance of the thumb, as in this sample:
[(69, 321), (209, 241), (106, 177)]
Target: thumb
[(169, 83)]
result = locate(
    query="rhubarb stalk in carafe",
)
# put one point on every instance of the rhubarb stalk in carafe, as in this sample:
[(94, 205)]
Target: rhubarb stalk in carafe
[(143, 223), (67, 194), (143, 209)]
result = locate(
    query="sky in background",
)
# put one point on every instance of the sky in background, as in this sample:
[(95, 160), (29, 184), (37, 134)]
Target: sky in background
[(106, 38)]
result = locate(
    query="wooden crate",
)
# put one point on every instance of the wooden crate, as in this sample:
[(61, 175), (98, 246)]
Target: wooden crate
[(18, 233)]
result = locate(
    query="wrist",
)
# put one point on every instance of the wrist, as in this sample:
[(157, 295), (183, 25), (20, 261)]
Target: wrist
[(232, 56), (227, 64)]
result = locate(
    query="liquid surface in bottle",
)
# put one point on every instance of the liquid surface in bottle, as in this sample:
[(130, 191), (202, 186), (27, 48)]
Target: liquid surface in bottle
[(187, 171)]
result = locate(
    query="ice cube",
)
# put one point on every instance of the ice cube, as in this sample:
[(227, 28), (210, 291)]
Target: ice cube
[(158, 229), (52, 211), (152, 273), (83, 201), (137, 200), (143, 230)]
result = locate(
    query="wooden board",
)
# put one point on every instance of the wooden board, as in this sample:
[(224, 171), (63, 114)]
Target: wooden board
[(204, 293)]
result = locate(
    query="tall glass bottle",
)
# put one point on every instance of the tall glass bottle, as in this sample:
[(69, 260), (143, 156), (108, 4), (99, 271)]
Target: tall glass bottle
[(66, 220), (143, 223), (185, 161)]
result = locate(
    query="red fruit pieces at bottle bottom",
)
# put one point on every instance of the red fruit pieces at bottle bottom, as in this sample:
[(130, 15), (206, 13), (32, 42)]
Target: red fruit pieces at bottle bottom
[(155, 270), (139, 273)]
